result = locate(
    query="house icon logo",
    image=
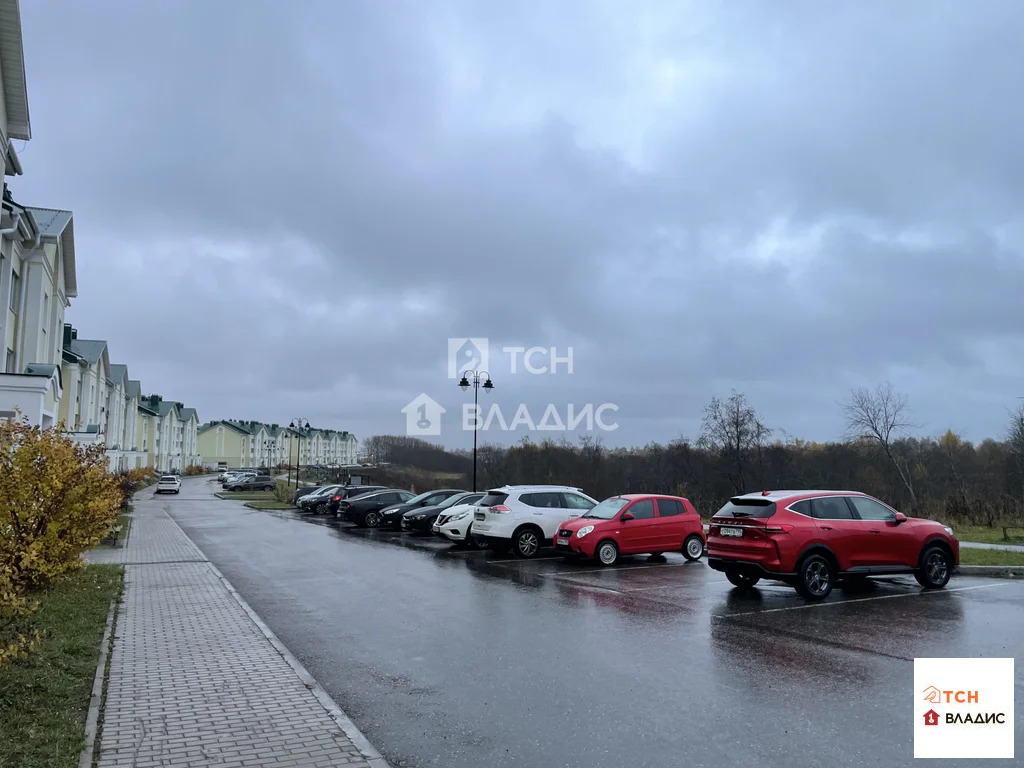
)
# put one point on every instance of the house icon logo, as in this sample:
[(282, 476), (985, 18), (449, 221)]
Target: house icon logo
[(466, 355), (932, 695), (423, 416), (931, 717)]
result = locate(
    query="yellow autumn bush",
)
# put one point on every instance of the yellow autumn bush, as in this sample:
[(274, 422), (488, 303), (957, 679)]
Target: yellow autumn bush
[(57, 499)]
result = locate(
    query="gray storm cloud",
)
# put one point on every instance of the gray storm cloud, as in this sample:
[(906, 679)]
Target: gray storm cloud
[(288, 211)]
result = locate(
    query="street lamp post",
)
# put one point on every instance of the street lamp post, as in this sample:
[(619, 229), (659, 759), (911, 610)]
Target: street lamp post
[(297, 424), (488, 385), (267, 445)]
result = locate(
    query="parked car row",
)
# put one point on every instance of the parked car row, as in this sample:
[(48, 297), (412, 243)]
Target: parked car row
[(248, 481), (810, 540)]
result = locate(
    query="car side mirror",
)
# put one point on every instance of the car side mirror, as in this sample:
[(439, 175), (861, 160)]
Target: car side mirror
[(626, 516), (900, 518)]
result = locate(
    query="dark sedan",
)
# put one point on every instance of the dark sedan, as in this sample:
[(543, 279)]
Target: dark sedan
[(364, 510), (348, 492), (317, 502), (422, 519), (392, 516), (304, 491)]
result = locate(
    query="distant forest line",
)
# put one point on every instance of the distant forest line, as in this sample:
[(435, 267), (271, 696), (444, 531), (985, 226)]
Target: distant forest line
[(943, 477)]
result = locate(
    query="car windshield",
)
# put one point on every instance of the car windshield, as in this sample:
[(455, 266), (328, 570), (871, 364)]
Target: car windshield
[(172, 478), (607, 509), (458, 498)]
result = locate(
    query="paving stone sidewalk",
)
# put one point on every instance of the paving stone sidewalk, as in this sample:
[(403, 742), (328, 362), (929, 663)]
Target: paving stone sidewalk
[(194, 678)]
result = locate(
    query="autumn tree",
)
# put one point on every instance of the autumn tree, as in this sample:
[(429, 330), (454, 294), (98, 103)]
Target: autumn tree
[(881, 417), (733, 431), (57, 499)]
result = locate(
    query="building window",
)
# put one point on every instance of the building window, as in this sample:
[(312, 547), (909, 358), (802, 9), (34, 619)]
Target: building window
[(15, 291)]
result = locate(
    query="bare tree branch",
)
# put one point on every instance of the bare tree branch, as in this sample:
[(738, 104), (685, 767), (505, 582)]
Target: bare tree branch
[(733, 430), (1015, 433), (881, 416)]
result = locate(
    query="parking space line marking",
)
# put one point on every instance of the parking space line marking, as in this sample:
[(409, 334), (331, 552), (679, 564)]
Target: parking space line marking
[(858, 600), (623, 568), (594, 586)]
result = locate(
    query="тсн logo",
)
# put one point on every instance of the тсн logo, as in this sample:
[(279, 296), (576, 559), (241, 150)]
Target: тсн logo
[(934, 696)]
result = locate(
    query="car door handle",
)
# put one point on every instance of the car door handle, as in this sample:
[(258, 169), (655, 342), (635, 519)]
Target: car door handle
[(874, 530), (825, 527)]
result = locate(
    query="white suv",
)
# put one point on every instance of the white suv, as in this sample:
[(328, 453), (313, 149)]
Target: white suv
[(526, 517)]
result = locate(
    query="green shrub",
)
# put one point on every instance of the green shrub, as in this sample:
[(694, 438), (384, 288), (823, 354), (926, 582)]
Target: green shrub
[(283, 492)]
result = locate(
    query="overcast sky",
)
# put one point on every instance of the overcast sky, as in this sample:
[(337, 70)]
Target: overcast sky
[(287, 209)]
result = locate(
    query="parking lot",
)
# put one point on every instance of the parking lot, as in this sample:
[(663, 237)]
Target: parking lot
[(452, 657)]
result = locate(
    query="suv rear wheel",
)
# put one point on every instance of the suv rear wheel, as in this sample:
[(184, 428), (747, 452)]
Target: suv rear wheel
[(815, 576), (935, 569), (526, 542)]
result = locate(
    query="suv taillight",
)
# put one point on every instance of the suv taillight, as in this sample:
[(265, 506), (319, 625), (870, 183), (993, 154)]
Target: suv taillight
[(336, 498), (784, 528), (499, 508)]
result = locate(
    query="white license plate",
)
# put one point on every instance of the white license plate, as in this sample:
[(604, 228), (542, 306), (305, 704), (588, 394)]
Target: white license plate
[(562, 542), (732, 532)]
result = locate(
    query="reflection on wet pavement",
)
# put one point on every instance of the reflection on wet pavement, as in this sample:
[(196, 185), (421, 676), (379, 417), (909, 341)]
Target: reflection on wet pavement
[(453, 657)]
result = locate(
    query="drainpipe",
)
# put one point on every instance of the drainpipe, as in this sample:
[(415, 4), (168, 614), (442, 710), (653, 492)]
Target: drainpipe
[(15, 223)]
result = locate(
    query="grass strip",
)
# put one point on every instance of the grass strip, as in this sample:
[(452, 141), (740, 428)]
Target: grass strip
[(44, 699)]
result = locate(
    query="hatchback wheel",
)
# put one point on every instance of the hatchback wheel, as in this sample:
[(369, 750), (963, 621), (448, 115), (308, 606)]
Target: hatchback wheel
[(742, 580), (935, 569), (814, 577), (373, 519), (606, 553), (526, 543), (693, 547)]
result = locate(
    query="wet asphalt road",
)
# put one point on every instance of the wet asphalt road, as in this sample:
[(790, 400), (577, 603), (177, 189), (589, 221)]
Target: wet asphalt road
[(468, 659)]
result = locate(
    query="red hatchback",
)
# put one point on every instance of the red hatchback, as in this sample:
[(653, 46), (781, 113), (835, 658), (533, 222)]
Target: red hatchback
[(812, 539), (634, 524)]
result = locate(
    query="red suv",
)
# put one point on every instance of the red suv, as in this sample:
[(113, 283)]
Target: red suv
[(634, 524), (811, 539)]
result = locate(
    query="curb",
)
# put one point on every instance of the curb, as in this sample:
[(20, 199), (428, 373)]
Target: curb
[(92, 719), (996, 571), (372, 756)]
